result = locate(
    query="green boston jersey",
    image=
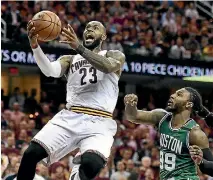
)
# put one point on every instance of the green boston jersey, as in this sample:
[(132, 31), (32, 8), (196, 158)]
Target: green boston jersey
[(175, 160)]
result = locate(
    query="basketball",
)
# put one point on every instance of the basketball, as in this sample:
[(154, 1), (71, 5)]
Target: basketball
[(47, 25)]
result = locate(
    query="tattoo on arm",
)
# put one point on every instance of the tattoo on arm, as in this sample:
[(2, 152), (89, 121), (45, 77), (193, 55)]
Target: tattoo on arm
[(112, 62), (65, 62)]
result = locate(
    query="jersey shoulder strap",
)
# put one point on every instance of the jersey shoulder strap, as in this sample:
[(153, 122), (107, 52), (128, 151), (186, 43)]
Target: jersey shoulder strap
[(167, 114)]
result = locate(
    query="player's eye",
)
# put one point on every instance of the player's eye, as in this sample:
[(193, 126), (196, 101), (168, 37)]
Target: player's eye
[(179, 94)]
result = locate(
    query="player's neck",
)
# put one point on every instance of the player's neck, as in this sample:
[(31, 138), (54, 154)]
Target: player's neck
[(97, 49), (179, 119)]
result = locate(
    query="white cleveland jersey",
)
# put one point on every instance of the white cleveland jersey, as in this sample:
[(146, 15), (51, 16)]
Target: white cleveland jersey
[(89, 87)]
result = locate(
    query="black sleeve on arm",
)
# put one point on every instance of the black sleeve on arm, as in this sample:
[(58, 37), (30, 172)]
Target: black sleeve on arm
[(206, 165)]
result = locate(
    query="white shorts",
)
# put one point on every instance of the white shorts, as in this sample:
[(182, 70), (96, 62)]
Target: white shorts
[(68, 130)]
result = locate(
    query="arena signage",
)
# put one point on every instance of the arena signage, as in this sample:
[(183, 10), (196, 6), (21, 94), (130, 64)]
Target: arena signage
[(162, 69), (20, 55)]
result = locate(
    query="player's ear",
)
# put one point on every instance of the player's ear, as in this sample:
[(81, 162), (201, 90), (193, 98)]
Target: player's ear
[(189, 105), (104, 36)]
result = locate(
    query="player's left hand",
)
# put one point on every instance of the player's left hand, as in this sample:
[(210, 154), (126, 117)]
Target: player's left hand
[(70, 37), (196, 154)]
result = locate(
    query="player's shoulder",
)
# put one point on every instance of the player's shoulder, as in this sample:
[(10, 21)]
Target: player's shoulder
[(159, 113), (197, 132), (116, 54), (198, 137), (65, 58), (159, 110)]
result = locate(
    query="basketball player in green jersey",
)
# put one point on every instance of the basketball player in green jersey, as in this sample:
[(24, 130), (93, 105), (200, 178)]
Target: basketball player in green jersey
[(178, 132)]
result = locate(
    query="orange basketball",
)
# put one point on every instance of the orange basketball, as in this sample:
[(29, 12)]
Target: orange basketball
[(47, 25)]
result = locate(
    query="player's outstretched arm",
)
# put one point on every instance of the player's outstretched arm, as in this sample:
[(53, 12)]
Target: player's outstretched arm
[(137, 116), (200, 151), (53, 69), (112, 62)]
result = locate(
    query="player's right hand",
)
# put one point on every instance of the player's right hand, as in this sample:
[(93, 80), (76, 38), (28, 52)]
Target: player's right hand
[(32, 36), (131, 99)]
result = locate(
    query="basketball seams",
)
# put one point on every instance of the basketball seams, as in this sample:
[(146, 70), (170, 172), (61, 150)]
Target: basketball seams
[(48, 15), (44, 27), (46, 21), (51, 20), (51, 30), (60, 27)]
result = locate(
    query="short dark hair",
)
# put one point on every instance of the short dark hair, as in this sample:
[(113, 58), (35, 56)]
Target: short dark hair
[(195, 98)]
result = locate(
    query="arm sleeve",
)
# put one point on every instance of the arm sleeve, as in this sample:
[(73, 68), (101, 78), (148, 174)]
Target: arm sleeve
[(206, 166), (48, 68)]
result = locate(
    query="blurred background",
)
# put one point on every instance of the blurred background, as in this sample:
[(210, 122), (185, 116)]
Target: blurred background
[(164, 42)]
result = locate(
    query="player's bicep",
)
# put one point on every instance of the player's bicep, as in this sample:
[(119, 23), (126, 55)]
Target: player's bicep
[(65, 63), (199, 138), (116, 59)]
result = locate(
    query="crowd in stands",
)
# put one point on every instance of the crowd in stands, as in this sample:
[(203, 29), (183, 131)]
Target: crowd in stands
[(171, 29), (134, 155)]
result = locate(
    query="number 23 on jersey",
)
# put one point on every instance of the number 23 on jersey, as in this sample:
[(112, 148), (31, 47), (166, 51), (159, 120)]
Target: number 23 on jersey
[(91, 72)]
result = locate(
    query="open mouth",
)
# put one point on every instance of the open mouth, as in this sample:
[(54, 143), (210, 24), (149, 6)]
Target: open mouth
[(89, 38), (169, 103)]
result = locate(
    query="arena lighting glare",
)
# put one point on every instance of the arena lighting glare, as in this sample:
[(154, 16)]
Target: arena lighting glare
[(200, 78)]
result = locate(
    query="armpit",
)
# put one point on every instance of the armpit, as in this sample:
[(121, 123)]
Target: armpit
[(65, 62)]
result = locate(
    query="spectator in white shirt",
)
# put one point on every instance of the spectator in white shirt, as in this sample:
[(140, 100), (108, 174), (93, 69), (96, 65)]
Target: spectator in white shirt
[(169, 21), (177, 50), (191, 12), (121, 173)]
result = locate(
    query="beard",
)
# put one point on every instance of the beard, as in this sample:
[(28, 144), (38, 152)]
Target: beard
[(171, 109), (93, 45)]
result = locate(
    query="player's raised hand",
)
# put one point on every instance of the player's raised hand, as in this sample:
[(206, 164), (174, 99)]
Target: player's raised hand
[(131, 99), (32, 35), (70, 37), (196, 154)]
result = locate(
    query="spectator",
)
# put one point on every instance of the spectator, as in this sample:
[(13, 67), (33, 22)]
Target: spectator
[(115, 44), (16, 114), (145, 165), (126, 156), (130, 166), (46, 114), (191, 11), (104, 174), (42, 170), (32, 128), (192, 46), (120, 150), (13, 18), (177, 50), (121, 173), (169, 22), (16, 97), (116, 7), (13, 176), (31, 103), (57, 172)]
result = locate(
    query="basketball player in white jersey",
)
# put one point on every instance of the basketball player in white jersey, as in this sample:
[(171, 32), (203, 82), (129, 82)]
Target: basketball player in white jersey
[(92, 92)]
